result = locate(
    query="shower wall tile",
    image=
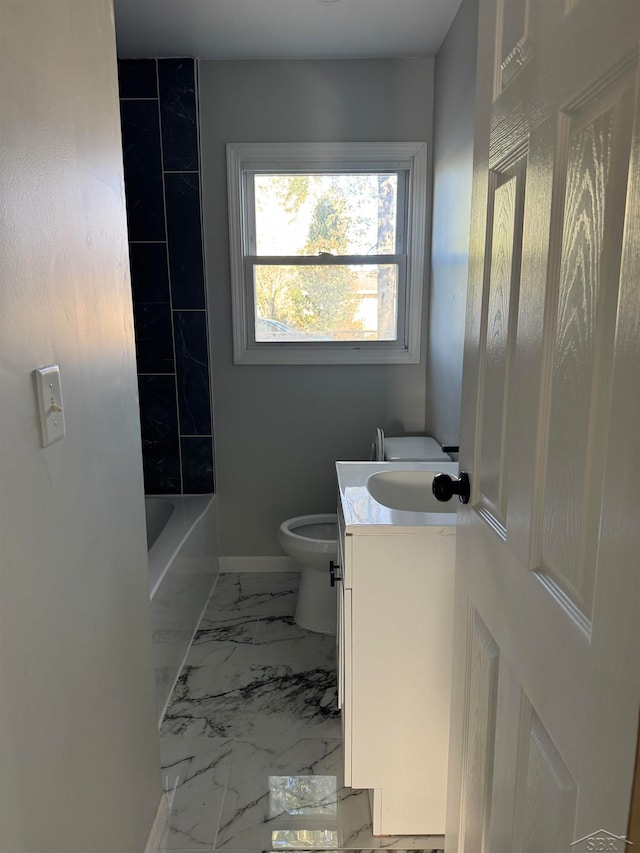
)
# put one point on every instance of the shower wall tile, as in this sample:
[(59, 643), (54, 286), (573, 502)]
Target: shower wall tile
[(160, 438), (142, 169), (160, 143), (149, 272), (154, 337), (137, 78), (192, 367), (182, 191), (176, 78), (197, 465)]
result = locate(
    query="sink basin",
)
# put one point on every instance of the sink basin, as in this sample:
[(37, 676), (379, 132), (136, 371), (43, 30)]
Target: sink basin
[(407, 490)]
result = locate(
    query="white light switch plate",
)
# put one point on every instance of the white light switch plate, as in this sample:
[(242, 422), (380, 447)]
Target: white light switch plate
[(50, 408)]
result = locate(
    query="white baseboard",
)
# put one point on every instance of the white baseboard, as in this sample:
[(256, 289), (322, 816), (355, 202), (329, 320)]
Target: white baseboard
[(159, 825), (258, 564)]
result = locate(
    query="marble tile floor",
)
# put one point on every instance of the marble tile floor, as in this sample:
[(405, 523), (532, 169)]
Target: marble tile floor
[(251, 740)]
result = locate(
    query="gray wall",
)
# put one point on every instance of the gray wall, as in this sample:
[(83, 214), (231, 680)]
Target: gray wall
[(454, 100), (79, 755), (280, 429)]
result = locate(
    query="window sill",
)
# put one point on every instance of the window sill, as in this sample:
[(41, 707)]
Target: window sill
[(288, 354)]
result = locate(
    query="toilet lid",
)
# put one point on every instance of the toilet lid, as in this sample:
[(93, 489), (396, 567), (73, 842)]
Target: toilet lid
[(418, 448), (377, 446)]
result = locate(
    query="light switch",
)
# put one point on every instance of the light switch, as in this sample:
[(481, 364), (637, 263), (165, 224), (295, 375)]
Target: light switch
[(50, 407)]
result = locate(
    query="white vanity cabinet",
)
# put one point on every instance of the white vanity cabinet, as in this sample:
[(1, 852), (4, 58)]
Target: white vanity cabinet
[(395, 626)]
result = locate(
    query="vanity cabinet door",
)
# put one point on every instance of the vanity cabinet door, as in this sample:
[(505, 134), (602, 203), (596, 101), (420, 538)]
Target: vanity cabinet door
[(400, 628), (339, 649), (340, 605), (347, 697), (345, 687)]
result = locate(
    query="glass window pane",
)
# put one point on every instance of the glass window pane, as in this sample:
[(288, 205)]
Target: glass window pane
[(329, 302), (343, 214)]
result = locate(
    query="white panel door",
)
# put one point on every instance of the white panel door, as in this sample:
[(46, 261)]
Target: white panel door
[(547, 649)]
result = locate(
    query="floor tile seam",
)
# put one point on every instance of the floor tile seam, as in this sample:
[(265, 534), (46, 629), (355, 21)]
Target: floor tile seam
[(271, 734), (181, 783), (234, 645), (211, 594), (211, 617), (284, 740), (216, 682), (217, 666), (224, 795), (255, 632), (254, 647), (309, 665), (225, 615), (202, 738), (287, 618), (281, 742), (234, 757), (210, 847), (203, 849), (217, 692)]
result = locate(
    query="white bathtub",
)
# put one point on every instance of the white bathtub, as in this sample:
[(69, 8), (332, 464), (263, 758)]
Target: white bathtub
[(182, 538)]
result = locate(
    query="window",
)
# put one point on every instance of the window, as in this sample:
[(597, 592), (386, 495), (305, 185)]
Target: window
[(327, 251)]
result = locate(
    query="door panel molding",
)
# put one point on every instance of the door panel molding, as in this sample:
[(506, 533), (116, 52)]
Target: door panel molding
[(592, 146), (545, 798), (498, 337), (514, 47), (481, 684)]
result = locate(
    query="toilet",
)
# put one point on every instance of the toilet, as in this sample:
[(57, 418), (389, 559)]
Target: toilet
[(411, 448), (312, 541)]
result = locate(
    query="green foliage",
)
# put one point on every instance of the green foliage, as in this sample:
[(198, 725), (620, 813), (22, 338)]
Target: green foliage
[(323, 301), (329, 227), (294, 193), (322, 297), (273, 286)]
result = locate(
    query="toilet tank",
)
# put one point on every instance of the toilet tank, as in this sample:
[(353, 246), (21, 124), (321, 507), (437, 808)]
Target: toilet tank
[(414, 448)]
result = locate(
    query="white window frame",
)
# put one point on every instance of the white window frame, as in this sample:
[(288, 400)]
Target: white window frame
[(249, 157)]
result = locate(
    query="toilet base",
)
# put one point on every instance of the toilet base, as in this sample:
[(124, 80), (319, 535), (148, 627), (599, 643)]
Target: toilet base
[(316, 605)]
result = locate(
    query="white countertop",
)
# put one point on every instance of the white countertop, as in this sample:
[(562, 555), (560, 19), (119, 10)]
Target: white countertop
[(363, 514)]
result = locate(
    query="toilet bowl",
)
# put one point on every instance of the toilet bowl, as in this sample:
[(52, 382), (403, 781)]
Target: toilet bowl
[(312, 541)]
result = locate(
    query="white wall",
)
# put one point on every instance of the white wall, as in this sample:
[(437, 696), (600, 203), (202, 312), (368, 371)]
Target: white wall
[(279, 430), (454, 101), (79, 764)]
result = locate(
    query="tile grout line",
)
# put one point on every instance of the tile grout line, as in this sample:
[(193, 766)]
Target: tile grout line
[(224, 796), (203, 249), (166, 231)]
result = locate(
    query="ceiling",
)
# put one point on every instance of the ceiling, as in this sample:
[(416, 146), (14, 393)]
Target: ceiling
[(282, 29)]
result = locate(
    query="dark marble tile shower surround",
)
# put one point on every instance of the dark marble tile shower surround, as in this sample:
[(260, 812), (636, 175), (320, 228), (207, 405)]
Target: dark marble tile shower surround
[(158, 104)]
